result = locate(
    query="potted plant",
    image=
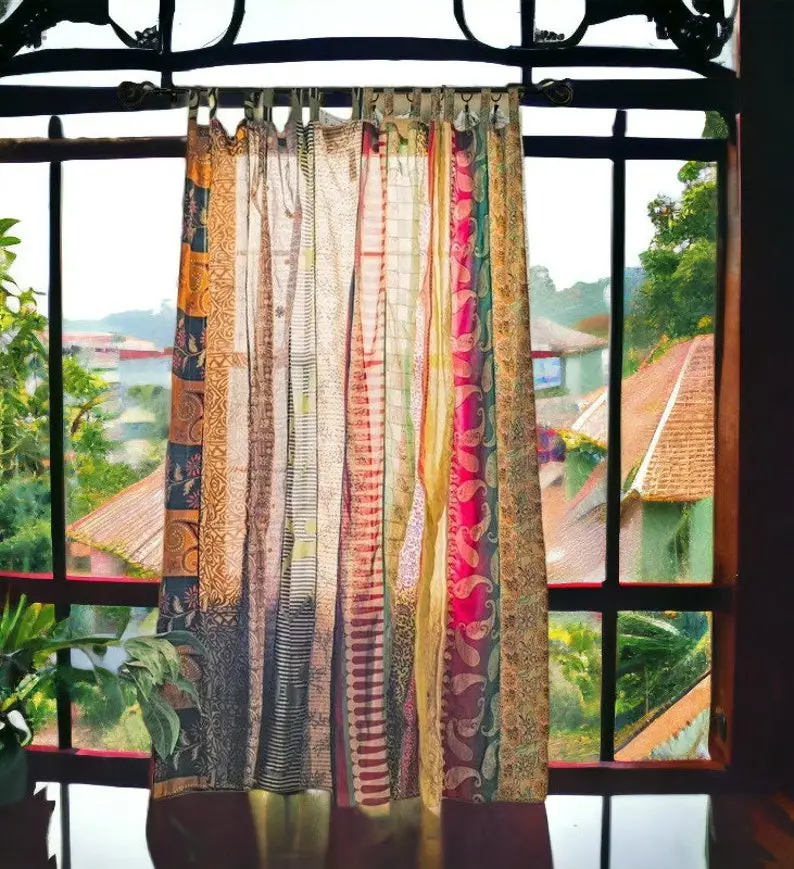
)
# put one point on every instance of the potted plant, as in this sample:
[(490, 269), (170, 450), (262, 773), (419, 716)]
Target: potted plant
[(30, 638)]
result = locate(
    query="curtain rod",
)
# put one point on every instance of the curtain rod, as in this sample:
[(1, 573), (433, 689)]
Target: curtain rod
[(132, 94)]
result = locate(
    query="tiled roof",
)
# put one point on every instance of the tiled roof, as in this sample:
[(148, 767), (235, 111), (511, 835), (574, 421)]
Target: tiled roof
[(669, 724), (129, 525), (679, 464), (550, 336), (668, 424)]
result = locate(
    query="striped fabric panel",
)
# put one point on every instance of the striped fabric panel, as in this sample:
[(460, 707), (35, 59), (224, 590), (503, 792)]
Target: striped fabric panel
[(362, 772), (406, 261), (290, 565), (337, 164), (255, 334)]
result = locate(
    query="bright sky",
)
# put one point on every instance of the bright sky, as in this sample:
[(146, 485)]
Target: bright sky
[(122, 218)]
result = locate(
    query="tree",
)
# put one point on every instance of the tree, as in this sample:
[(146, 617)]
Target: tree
[(24, 429), (660, 657), (677, 298)]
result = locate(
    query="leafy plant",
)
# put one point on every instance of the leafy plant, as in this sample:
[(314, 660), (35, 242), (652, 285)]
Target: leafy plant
[(30, 637)]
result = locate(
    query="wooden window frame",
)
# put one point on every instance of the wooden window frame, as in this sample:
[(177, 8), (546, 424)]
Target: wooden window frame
[(748, 662)]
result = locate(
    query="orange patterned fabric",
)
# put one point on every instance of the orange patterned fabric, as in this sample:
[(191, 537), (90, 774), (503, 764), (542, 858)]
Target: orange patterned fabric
[(353, 510)]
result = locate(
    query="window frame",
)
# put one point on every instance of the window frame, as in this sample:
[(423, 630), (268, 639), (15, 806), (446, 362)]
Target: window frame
[(718, 92)]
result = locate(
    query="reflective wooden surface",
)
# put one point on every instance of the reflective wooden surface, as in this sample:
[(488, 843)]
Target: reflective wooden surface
[(91, 827)]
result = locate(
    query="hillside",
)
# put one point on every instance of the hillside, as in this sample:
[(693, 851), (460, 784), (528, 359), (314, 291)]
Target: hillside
[(157, 326), (582, 305)]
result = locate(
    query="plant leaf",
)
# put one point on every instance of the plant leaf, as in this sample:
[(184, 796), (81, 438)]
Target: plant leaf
[(6, 223), (110, 688), (187, 687), (162, 723)]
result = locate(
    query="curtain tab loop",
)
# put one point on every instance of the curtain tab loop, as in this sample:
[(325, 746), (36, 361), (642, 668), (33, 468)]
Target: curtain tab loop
[(355, 102), (193, 102), (388, 104), (267, 97), (295, 105), (449, 104), (212, 102), (514, 103), (435, 104), (485, 105), (416, 104), (314, 104), (368, 100)]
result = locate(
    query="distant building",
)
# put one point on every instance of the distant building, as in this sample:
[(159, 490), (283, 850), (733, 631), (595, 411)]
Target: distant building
[(565, 358), (667, 473)]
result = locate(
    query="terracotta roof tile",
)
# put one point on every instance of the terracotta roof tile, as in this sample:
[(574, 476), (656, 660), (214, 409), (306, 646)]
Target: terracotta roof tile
[(669, 724), (668, 423), (129, 525), (679, 464)]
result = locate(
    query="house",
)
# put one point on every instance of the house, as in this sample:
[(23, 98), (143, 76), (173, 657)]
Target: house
[(667, 475), (566, 359), (124, 536), (679, 732)]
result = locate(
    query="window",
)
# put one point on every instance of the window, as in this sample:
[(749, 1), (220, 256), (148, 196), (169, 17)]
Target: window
[(630, 557)]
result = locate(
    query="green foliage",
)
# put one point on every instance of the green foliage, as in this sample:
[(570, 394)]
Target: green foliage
[(660, 657), (157, 400), (583, 305), (29, 640), (24, 426), (677, 298)]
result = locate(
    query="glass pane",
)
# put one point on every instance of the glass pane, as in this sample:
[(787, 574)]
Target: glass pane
[(568, 208), (575, 831), (663, 686), (29, 127), (665, 124), (107, 827), (121, 251), (575, 680), (359, 73), (668, 366), (41, 713), (496, 22), (659, 832), (545, 121), (92, 725), (131, 123), (24, 393)]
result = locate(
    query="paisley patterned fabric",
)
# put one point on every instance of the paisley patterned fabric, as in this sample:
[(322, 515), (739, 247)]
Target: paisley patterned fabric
[(353, 526)]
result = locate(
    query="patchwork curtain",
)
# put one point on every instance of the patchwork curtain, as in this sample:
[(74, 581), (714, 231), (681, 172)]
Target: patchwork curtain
[(353, 522)]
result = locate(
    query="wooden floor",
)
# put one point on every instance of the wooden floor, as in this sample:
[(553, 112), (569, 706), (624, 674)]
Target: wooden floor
[(90, 827)]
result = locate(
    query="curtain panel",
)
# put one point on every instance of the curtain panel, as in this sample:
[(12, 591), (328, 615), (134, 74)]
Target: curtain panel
[(353, 519)]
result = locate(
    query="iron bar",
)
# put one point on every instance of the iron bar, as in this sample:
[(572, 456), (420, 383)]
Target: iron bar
[(681, 94), (351, 48), (167, 12), (614, 477), (87, 591), (574, 147), (606, 831), (563, 598), (57, 421), (684, 777)]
